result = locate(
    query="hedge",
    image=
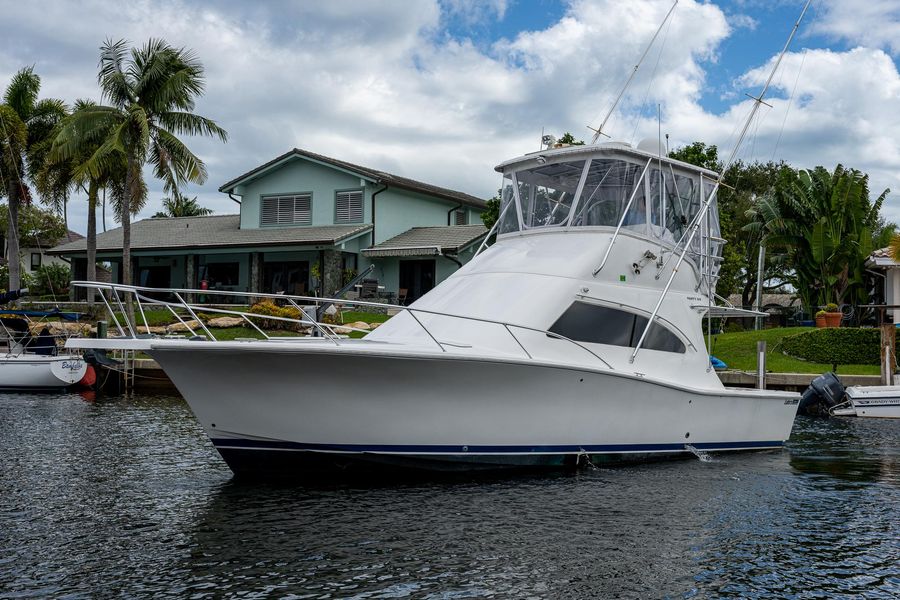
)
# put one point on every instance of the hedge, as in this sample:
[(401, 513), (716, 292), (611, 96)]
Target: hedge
[(837, 346)]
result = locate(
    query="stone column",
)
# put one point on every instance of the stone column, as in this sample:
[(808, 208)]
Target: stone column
[(256, 272), (331, 272), (190, 275)]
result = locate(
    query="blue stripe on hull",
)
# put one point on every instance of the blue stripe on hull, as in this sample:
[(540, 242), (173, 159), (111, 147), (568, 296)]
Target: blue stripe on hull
[(463, 450)]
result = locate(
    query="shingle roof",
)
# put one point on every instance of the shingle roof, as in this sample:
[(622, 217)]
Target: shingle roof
[(212, 231), (382, 177), (428, 241)]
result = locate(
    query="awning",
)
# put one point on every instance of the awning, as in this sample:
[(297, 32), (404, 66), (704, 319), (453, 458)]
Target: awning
[(386, 251)]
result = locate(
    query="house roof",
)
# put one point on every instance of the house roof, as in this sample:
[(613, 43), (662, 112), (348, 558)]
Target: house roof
[(69, 236), (369, 173), (428, 241), (214, 231), (882, 258)]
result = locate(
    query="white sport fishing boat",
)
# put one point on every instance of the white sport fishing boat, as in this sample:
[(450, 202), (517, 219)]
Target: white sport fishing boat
[(576, 336)]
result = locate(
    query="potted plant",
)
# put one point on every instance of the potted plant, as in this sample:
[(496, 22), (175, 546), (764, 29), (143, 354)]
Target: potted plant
[(820, 319), (833, 315)]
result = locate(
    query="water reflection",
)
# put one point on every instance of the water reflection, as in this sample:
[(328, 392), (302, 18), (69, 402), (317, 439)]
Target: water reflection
[(125, 496)]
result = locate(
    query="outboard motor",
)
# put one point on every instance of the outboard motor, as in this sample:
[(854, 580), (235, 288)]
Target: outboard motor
[(824, 392)]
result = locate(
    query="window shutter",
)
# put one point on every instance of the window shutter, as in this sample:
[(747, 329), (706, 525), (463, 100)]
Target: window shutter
[(349, 207), (461, 217), (286, 210)]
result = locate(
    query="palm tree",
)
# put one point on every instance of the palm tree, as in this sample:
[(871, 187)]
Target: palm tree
[(151, 93), (823, 224), (26, 123), (181, 206), (60, 173)]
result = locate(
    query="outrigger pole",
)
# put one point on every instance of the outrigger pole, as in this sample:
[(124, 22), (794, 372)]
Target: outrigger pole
[(599, 131), (705, 208)]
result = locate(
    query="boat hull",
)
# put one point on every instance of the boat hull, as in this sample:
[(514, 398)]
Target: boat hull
[(316, 410), (40, 372)]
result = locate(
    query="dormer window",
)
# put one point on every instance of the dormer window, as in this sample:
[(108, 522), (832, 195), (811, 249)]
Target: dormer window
[(286, 210), (348, 206)]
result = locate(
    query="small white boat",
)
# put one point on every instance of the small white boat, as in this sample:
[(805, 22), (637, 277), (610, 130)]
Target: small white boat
[(880, 401), (29, 357)]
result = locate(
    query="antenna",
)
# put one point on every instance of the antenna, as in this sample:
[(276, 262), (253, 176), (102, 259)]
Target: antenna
[(599, 131), (704, 209)]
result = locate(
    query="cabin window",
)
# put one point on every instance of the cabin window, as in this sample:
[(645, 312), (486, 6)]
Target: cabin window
[(286, 210), (597, 324), (348, 206)]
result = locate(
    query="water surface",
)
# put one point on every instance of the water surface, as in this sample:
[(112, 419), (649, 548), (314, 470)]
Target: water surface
[(126, 497)]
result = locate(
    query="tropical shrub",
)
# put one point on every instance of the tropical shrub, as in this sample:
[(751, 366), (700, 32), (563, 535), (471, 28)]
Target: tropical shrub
[(50, 280), (824, 225), (836, 346), (269, 308)]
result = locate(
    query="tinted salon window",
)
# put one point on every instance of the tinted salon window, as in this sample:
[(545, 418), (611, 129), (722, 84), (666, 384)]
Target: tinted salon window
[(595, 324)]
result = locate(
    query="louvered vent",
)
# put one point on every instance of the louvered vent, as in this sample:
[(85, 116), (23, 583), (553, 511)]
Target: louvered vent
[(286, 210), (349, 207), (461, 217)]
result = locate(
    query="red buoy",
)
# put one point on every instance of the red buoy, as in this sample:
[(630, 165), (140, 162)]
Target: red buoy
[(89, 379)]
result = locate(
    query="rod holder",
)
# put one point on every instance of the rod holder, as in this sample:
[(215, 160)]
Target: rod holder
[(761, 364)]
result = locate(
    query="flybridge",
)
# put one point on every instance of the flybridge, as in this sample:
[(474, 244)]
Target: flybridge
[(615, 186)]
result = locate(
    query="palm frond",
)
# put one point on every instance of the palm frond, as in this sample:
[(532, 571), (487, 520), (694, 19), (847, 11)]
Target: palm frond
[(22, 92), (191, 124)]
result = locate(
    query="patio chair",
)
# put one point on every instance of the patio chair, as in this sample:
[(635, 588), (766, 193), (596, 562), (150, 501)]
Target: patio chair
[(369, 288)]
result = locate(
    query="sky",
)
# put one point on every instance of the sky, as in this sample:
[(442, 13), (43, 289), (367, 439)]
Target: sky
[(443, 90)]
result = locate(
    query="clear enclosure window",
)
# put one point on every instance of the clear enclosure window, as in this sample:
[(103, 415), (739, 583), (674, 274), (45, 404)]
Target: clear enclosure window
[(608, 187), (547, 192)]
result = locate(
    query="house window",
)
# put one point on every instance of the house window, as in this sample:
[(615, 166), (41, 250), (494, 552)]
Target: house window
[(348, 207), (35, 261), (286, 210), (595, 324), (460, 217)]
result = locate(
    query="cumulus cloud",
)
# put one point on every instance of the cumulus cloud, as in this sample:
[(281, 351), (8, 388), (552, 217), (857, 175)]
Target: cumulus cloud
[(474, 11), (871, 23), (386, 85)]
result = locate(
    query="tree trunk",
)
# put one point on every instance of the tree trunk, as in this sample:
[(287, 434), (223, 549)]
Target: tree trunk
[(12, 236), (132, 186), (92, 239)]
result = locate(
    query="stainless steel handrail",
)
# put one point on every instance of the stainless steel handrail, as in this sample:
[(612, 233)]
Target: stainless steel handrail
[(180, 293)]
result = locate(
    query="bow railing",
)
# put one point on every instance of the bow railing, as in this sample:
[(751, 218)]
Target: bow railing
[(177, 301)]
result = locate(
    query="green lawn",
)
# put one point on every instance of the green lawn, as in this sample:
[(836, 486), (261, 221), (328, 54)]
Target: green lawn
[(351, 316), (738, 351)]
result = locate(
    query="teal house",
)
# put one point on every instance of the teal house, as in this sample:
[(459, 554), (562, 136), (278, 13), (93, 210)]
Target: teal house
[(307, 224)]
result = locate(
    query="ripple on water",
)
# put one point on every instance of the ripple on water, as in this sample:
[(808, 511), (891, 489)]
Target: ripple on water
[(126, 497)]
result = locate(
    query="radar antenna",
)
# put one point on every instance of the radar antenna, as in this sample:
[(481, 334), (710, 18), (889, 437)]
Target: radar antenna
[(599, 131)]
